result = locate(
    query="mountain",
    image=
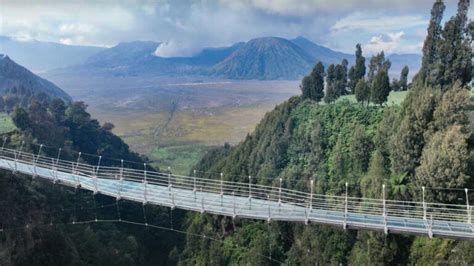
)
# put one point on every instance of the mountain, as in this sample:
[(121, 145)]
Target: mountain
[(265, 58), (13, 76), (126, 53), (321, 53), (43, 56), (261, 58)]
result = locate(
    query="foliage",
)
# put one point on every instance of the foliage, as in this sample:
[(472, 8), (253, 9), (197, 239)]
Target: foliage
[(312, 86), (380, 88), (362, 91)]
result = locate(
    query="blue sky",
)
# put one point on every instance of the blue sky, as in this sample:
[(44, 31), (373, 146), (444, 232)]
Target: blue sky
[(186, 26)]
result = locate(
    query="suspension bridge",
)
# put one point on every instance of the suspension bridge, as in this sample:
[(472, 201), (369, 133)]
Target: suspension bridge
[(247, 200)]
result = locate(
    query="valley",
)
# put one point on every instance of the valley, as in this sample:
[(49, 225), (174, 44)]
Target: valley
[(174, 121)]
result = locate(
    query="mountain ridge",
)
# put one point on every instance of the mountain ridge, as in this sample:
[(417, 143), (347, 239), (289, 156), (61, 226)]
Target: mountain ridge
[(39, 56), (264, 58), (13, 75)]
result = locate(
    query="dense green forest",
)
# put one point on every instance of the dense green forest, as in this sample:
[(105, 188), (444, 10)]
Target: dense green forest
[(426, 141), (36, 216)]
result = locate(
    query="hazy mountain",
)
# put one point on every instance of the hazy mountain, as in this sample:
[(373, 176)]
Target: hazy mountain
[(125, 53), (321, 53), (211, 56), (265, 58), (42, 56), (261, 58), (13, 75)]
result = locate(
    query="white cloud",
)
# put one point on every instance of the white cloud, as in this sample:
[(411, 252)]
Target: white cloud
[(22, 36), (305, 7), (370, 23), (388, 43), (173, 48)]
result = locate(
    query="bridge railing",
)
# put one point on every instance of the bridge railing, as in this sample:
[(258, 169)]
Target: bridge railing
[(287, 197)]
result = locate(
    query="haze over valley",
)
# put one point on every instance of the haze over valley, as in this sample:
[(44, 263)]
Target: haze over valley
[(151, 99)]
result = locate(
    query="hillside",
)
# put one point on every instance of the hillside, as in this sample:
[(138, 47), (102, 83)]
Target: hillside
[(43, 56), (14, 77), (332, 144), (321, 53), (265, 58)]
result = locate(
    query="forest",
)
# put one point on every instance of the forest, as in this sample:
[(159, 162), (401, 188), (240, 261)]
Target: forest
[(426, 141)]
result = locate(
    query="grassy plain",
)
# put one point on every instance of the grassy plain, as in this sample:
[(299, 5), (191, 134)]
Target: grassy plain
[(6, 123), (174, 120)]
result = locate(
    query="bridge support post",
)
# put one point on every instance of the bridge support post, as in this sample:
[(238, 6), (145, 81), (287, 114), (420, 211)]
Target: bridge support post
[(17, 156), (384, 210), (95, 176), (56, 165), (119, 193), (74, 170), (36, 161), (202, 204), (145, 192), (310, 201), (424, 203), (222, 189), (279, 195), (194, 185), (345, 208), (430, 227), (469, 220), (4, 142), (169, 178), (269, 219), (250, 192), (234, 214)]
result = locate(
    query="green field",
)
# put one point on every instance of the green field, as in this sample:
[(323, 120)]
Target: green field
[(395, 97), (6, 123), (181, 157)]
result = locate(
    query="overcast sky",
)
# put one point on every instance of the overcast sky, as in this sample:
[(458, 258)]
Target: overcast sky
[(185, 26)]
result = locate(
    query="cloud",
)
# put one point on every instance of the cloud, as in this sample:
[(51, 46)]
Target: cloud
[(371, 23), (387, 43), (186, 26), (173, 49)]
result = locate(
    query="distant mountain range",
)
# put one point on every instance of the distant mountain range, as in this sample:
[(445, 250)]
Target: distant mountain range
[(42, 56), (13, 75), (260, 58)]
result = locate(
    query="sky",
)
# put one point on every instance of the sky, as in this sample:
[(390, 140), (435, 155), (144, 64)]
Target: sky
[(184, 27)]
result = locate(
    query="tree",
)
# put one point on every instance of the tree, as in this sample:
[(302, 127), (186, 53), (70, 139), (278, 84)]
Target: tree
[(318, 80), (371, 183), (340, 80), (306, 87), (380, 88), (362, 91), (403, 82), (361, 148), (378, 63), (21, 118), (444, 162), (454, 59), (395, 85), (357, 71), (430, 46), (399, 187), (330, 95)]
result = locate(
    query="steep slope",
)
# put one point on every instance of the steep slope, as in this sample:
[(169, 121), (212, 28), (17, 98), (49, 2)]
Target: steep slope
[(265, 58), (321, 53), (43, 56), (13, 76)]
